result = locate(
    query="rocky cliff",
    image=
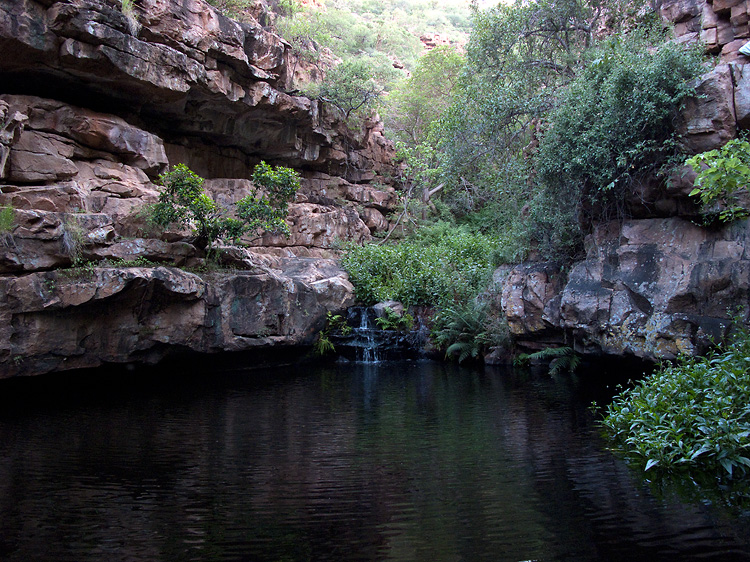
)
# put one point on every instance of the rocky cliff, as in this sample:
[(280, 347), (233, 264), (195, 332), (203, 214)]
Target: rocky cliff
[(656, 285), (94, 105)]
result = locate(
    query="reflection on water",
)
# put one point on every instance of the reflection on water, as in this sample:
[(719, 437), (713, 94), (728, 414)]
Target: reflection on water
[(397, 461)]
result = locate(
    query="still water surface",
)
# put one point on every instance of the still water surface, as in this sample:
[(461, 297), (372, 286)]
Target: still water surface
[(398, 461)]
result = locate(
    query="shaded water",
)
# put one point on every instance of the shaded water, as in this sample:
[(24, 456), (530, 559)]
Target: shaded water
[(397, 461)]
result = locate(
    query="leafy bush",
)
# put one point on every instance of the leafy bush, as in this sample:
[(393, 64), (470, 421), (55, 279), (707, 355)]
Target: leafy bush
[(73, 239), (392, 321), (723, 176), (694, 413), (614, 125), (183, 202), (439, 265)]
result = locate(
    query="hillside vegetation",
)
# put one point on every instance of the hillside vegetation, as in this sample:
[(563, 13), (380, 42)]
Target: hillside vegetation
[(540, 119)]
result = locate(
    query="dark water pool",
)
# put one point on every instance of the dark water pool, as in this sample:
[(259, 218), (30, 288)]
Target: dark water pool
[(401, 461)]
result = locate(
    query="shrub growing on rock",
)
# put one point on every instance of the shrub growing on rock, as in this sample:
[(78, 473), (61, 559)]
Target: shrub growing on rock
[(722, 181), (614, 125), (184, 202)]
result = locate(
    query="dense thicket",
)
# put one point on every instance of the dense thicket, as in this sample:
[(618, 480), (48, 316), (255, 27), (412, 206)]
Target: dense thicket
[(550, 126)]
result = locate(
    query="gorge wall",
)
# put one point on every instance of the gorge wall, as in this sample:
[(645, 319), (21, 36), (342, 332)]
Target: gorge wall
[(94, 105), (658, 284)]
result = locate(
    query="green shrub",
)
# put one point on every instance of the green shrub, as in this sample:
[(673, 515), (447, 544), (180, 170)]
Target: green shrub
[(694, 413), (614, 124), (183, 202), (723, 176), (392, 321), (73, 239), (439, 265)]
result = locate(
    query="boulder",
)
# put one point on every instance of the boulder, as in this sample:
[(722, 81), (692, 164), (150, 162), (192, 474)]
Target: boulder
[(530, 297), (742, 94)]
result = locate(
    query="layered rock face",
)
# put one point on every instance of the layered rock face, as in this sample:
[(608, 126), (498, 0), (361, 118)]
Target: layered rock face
[(67, 319), (657, 285), (94, 105), (721, 25)]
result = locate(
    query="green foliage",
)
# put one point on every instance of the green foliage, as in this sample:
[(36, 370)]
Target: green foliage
[(73, 240), (392, 321), (519, 57), (183, 202), (140, 261), (614, 124), (723, 177), (694, 413), (334, 323), (560, 359), (417, 103), (439, 265), (385, 29), (235, 9), (267, 211), (7, 219), (354, 87), (465, 330), (323, 345), (337, 323), (548, 126), (126, 6), (307, 33)]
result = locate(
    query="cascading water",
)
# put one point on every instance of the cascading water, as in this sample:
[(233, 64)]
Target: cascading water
[(364, 340)]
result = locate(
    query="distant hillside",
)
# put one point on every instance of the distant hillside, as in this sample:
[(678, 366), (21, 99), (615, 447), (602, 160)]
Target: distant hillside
[(391, 32)]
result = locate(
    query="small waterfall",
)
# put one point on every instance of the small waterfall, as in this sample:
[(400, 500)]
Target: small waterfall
[(367, 343), (364, 340)]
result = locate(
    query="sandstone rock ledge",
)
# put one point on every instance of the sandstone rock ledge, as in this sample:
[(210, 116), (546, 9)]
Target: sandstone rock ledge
[(651, 289), (68, 319)]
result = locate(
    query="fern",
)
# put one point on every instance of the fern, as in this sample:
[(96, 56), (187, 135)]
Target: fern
[(560, 358), (462, 331), (323, 346)]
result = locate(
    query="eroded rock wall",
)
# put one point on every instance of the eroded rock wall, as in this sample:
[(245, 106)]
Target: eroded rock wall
[(67, 319), (659, 284), (94, 105)]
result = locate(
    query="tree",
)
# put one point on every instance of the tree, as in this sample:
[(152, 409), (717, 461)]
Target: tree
[(419, 101), (352, 87), (183, 202)]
